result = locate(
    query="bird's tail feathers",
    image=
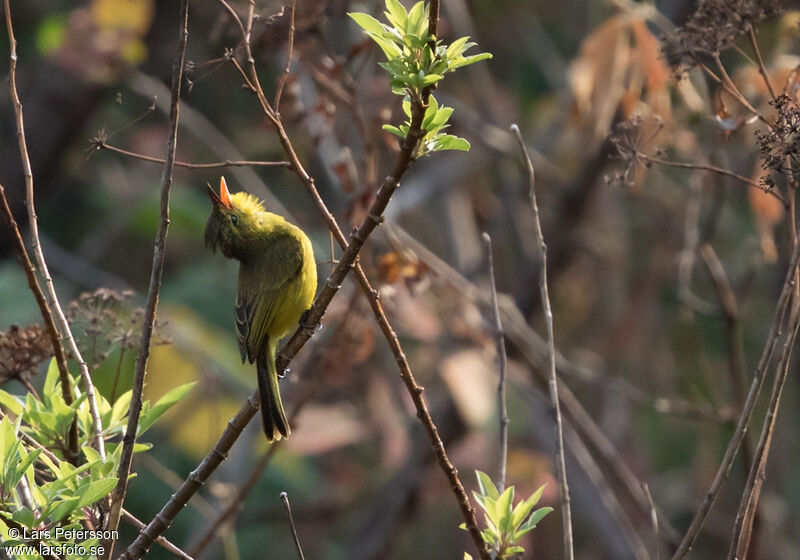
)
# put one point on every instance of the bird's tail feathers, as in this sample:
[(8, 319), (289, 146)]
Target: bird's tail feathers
[(273, 416)]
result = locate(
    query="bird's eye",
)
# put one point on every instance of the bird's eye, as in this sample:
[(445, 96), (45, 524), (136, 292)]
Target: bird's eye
[(235, 219)]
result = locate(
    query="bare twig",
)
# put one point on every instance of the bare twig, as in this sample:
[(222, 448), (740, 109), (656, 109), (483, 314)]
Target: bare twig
[(500, 342), (745, 516), (730, 312), (47, 315), (290, 53), (162, 542), (607, 496), (744, 417), (159, 253), (194, 481), (56, 311), (653, 520), (713, 169), (761, 67), (285, 500), (566, 512), (237, 501), (100, 144)]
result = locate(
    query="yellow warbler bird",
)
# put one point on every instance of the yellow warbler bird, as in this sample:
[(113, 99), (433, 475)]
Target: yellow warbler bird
[(277, 282)]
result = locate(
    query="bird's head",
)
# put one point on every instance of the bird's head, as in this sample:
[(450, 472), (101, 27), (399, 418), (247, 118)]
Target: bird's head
[(234, 223)]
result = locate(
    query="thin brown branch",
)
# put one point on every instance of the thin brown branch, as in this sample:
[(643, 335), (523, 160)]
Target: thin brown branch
[(762, 69), (285, 500), (237, 501), (731, 88), (47, 315), (65, 333), (733, 327), (162, 542), (500, 343), (290, 53), (723, 472), (609, 500), (566, 510), (159, 253), (100, 144), (745, 516), (194, 481), (713, 169), (653, 521)]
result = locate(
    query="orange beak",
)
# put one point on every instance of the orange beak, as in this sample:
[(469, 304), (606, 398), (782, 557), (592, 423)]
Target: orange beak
[(224, 197)]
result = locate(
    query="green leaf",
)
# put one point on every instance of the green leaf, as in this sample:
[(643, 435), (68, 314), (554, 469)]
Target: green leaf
[(449, 142), (503, 509), (525, 506), (480, 499), (12, 403), (486, 485), (367, 22), (512, 550), (415, 25), (63, 509), (93, 491), (394, 130), (430, 112), (467, 60), (376, 30), (457, 47), (50, 381), (24, 516), (531, 523), (407, 107), (431, 79), (164, 404), (493, 513), (441, 118), (467, 556), (7, 437), (118, 411), (396, 14), (25, 463)]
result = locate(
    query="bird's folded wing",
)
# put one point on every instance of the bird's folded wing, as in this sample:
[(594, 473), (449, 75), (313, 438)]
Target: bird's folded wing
[(262, 286)]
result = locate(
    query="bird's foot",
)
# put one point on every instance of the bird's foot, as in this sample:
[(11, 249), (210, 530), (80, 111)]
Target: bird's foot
[(310, 328)]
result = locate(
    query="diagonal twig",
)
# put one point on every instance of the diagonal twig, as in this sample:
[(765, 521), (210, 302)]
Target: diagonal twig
[(500, 343), (159, 252), (745, 516), (290, 53), (285, 500), (55, 306), (735, 442), (100, 144), (566, 510), (47, 315)]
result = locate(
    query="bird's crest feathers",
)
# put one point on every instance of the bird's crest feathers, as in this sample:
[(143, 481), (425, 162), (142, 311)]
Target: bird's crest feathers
[(246, 203)]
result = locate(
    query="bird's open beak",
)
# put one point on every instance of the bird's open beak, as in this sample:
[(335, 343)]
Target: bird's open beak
[(224, 197)]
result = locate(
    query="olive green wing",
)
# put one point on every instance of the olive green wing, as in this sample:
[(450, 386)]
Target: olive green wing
[(263, 284)]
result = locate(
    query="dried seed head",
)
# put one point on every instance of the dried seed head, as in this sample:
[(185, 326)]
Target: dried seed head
[(713, 27)]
